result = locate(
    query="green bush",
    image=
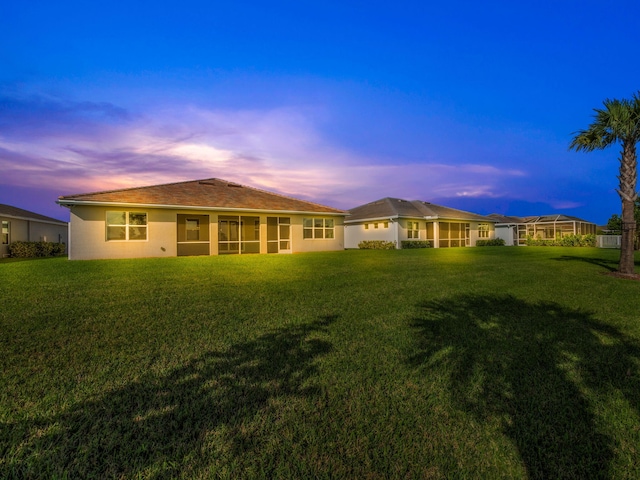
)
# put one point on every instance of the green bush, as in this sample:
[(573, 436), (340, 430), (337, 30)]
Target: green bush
[(566, 241), (376, 245), (36, 249), (415, 244), (494, 242)]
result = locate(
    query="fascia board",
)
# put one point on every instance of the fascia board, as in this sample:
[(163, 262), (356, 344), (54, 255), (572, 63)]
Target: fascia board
[(29, 219), (373, 219), (71, 203)]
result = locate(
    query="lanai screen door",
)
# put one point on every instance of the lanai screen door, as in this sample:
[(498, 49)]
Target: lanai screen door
[(278, 235)]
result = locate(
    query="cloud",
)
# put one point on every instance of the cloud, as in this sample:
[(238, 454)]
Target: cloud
[(90, 146)]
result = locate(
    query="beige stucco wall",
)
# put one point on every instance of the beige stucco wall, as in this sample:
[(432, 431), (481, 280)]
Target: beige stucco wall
[(88, 233), (397, 232), (33, 231)]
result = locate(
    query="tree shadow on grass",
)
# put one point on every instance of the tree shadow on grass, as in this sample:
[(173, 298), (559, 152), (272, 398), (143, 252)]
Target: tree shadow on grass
[(159, 427), (537, 367), (610, 265)]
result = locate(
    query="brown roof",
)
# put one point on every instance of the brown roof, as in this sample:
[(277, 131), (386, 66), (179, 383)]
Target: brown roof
[(396, 207), (208, 193), (15, 212)]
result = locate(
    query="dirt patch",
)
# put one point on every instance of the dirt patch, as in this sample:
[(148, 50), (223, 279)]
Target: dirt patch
[(626, 276)]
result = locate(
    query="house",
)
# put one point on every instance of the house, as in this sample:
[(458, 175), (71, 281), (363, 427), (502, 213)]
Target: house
[(396, 220), (515, 230), (199, 217), (23, 225)]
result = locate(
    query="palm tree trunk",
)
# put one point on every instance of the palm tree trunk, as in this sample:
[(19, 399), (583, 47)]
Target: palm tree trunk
[(628, 177), (627, 262)]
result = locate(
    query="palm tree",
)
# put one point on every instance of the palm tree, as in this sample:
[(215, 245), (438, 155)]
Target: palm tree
[(618, 121)]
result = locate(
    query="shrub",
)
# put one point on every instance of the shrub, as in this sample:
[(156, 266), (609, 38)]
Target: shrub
[(566, 241), (415, 244), (494, 242), (36, 249), (376, 245)]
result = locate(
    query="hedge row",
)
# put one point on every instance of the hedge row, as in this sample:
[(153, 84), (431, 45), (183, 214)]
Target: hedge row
[(36, 249), (376, 245), (494, 242), (566, 241), (415, 244)]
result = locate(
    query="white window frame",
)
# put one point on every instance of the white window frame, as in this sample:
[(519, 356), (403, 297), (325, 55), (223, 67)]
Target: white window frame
[(413, 230), (127, 226), (7, 225), (318, 228), (483, 230)]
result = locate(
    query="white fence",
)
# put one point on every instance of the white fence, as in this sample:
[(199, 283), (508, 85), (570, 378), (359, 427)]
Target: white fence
[(608, 241)]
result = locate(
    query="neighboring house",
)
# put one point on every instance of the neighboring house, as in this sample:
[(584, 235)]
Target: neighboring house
[(395, 220), (199, 217), (22, 225), (515, 230)]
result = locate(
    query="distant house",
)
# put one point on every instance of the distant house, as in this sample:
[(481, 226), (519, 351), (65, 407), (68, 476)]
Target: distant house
[(199, 217), (395, 220), (22, 225), (515, 230)]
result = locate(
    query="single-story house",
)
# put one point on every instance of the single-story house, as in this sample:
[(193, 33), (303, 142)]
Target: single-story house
[(395, 220), (515, 230), (22, 225), (199, 217)]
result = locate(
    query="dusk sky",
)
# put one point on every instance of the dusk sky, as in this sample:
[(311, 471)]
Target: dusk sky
[(470, 105)]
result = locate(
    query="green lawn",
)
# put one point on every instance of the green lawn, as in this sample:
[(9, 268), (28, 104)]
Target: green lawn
[(438, 363)]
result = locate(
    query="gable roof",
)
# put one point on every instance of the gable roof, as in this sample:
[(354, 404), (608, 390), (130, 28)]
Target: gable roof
[(396, 207), (210, 193), (21, 214)]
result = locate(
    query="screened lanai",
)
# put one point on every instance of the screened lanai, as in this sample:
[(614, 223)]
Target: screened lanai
[(515, 230)]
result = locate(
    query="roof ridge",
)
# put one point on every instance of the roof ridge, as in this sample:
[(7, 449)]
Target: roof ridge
[(280, 195), (113, 190), (450, 208)]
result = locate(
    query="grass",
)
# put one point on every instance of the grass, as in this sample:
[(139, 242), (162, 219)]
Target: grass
[(465, 363)]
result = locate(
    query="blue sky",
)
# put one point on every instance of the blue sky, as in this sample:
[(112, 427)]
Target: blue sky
[(467, 104)]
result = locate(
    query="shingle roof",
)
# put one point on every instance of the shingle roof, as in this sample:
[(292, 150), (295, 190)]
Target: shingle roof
[(15, 212), (397, 207), (505, 218), (207, 193)]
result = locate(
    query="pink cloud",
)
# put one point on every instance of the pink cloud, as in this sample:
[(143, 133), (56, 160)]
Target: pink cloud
[(101, 146)]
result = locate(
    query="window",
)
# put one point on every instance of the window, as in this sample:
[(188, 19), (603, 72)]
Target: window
[(483, 230), (193, 229), (386, 224), (315, 228), (375, 225), (366, 226), (412, 230), (126, 225), (5, 233)]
